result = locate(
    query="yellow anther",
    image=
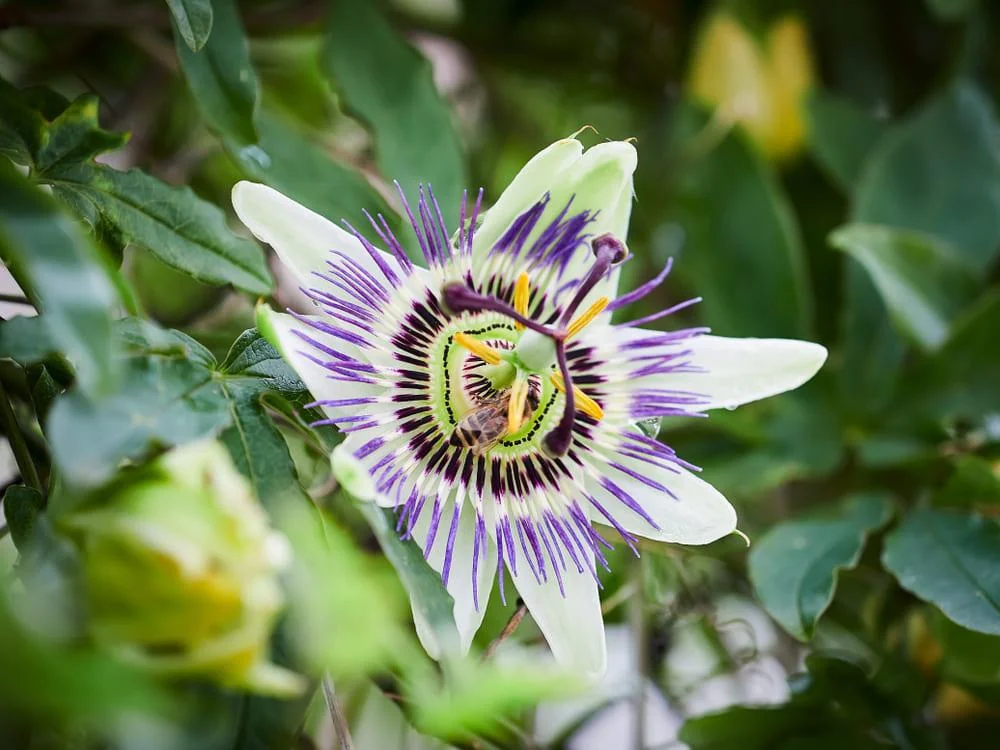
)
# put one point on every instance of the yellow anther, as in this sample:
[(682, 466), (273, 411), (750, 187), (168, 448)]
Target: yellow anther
[(515, 407), (485, 352), (522, 290), (583, 402), (584, 319)]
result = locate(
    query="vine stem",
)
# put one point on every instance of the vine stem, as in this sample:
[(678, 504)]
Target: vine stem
[(25, 464), (340, 726)]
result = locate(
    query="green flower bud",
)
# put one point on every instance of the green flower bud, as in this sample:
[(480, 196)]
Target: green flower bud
[(181, 568)]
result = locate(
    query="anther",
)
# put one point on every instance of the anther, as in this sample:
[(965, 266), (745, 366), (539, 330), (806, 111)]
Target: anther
[(522, 290), (459, 298), (585, 403), (515, 406), (485, 352), (586, 317)]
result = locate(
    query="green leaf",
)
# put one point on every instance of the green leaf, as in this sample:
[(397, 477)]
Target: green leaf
[(22, 127), (939, 172), (961, 378), (49, 682), (389, 85), (287, 161), (180, 228), (923, 283), (192, 20), (427, 594), (729, 190), (76, 136), (949, 559), (163, 401), (794, 567), (252, 369), (841, 136), (220, 74), (64, 274), (354, 627), (21, 506)]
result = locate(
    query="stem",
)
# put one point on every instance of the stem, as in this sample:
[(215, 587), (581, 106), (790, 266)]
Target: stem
[(340, 727), (8, 420), (507, 632), (637, 621)]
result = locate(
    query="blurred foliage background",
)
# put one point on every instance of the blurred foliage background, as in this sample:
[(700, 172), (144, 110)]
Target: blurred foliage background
[(826, 171)]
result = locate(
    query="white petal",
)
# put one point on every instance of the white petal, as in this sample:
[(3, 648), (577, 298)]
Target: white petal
[(280, 330), (572, 624), (598, 179), (468, 617), (738, 371), (528, 187), (728, 371), (302, 238), (697, 513)]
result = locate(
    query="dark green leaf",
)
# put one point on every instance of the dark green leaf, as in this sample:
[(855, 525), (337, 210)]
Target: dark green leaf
[(21, 506), (192, 20), (59, 268), (386, 83), (427, 594), (841, 136), (794, 567), (44, 389), (286, 160), (939, 172), (951, 560), (26, 339), (139, 336), (22, 127), (923, 283), (728, 190), (177, 226), (961, 378), (75, 136), (251, 369), (253, 364), (220, 75), (162, 402), (872, 349)]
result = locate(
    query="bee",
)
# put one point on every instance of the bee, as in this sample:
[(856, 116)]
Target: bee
[(485, 425)]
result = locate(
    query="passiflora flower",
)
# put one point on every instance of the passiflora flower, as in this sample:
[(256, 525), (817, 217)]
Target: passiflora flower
[(180, 568), (490, 399), (760, 84)]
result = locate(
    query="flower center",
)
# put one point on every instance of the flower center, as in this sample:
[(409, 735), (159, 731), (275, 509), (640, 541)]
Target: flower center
[(540, 349)]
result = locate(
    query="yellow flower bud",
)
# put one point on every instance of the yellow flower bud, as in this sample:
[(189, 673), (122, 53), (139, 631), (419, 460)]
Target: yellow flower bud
[(180, 568), (760, 84)]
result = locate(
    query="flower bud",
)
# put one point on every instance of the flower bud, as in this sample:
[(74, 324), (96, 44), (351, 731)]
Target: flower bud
[(180, 568), (759, 83)]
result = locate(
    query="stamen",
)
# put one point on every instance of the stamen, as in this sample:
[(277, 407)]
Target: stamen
[(586, 317), (522, 290), (515, 406), (585, 403), (485, 352)]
